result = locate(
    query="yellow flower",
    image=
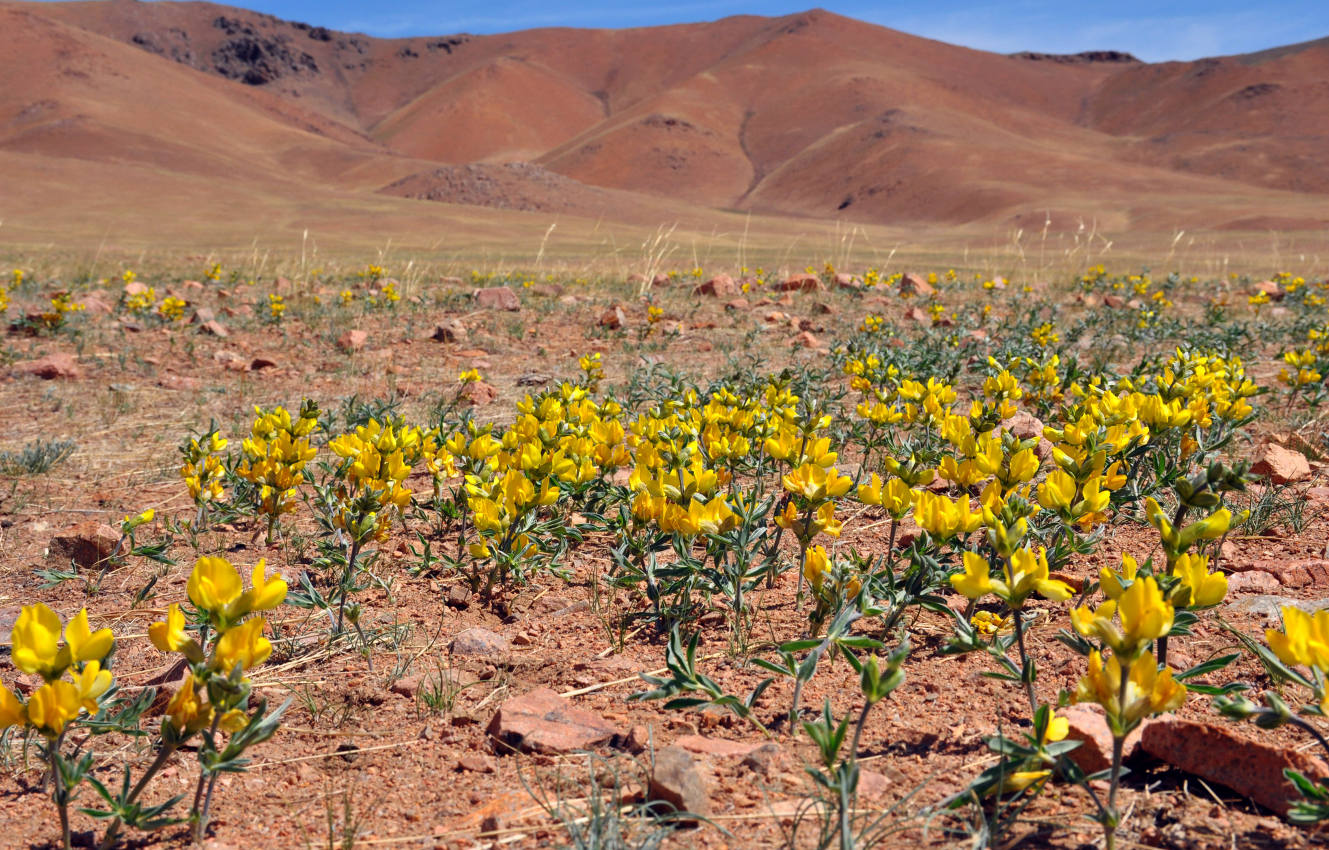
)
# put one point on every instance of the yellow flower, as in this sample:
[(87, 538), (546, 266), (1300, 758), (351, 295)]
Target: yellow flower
[(244, 645), (36, 642), (12, 712), (943, 518), (1145, 614), (264, 594), (816, 483), (1028, 573), (214, 585), (85, 644), (1197, 587), (52, 706), (170, 636), (92, 682), (1111, 582), (976, 581), (185, 712), (816, 566), (1304, 640), (1057, 729), (1022, 780), (1057, 492)]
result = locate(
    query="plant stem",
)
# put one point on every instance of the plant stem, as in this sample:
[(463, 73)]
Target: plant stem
[(1024, 662), (1118, 747), (112, 831), (61, 792), (196, 811)]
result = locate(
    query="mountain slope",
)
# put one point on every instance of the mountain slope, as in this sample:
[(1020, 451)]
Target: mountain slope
[(811, 114)]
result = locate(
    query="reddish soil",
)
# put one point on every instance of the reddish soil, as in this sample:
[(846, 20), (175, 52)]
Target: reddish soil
[(415, 777)]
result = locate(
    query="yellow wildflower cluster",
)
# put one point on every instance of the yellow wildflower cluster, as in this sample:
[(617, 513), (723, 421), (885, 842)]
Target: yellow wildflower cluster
[(36, 648), (275, 455)]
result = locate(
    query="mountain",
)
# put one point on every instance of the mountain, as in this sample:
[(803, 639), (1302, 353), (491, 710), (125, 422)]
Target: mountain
[(808, 115)]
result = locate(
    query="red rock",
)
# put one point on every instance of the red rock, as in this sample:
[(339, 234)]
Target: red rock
[(407, 686), (353, 340), (775, 316), (202, 315), (675, 780), (87, 544), (822, 308), (1298, 573), (872, 785), (847, 281), (807, 340), (543, 722), (1218, 754), (479, 393), (451, 281), (497, 298), (134, 287), (1255, 581), (95, 305), (613, 318), (917, 314), (1268, 287), (736, 304), (58, 365), (660, 280), (1087, 725), (260, 363), (800, 283), (637, 278), (450, 330), (914, 284), (703, 745), (474, 763), (1318, 494), (214, 328), (1116, 302), (476, 642), (1280, 465), (720, 286)]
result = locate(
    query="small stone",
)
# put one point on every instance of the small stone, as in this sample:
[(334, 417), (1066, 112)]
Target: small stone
[(407, 686), (87, 544), (765, 759), (475, 763), (1255, 581), (58, 365), (261, 362), (476, 642), (720, 286), (675, 780), (459, 597), (638, 739), (872, 785), (847, 281), (613, 319), (807, 340), (800, 283), (479, 393), (450, 330), (497, 298), (1280, 465), (202, 316), (703, 745), (916, 284), (544, 722), (353, 340), (214, 328)]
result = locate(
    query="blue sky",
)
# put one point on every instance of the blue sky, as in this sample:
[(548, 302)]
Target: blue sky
[(1153, 31)]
